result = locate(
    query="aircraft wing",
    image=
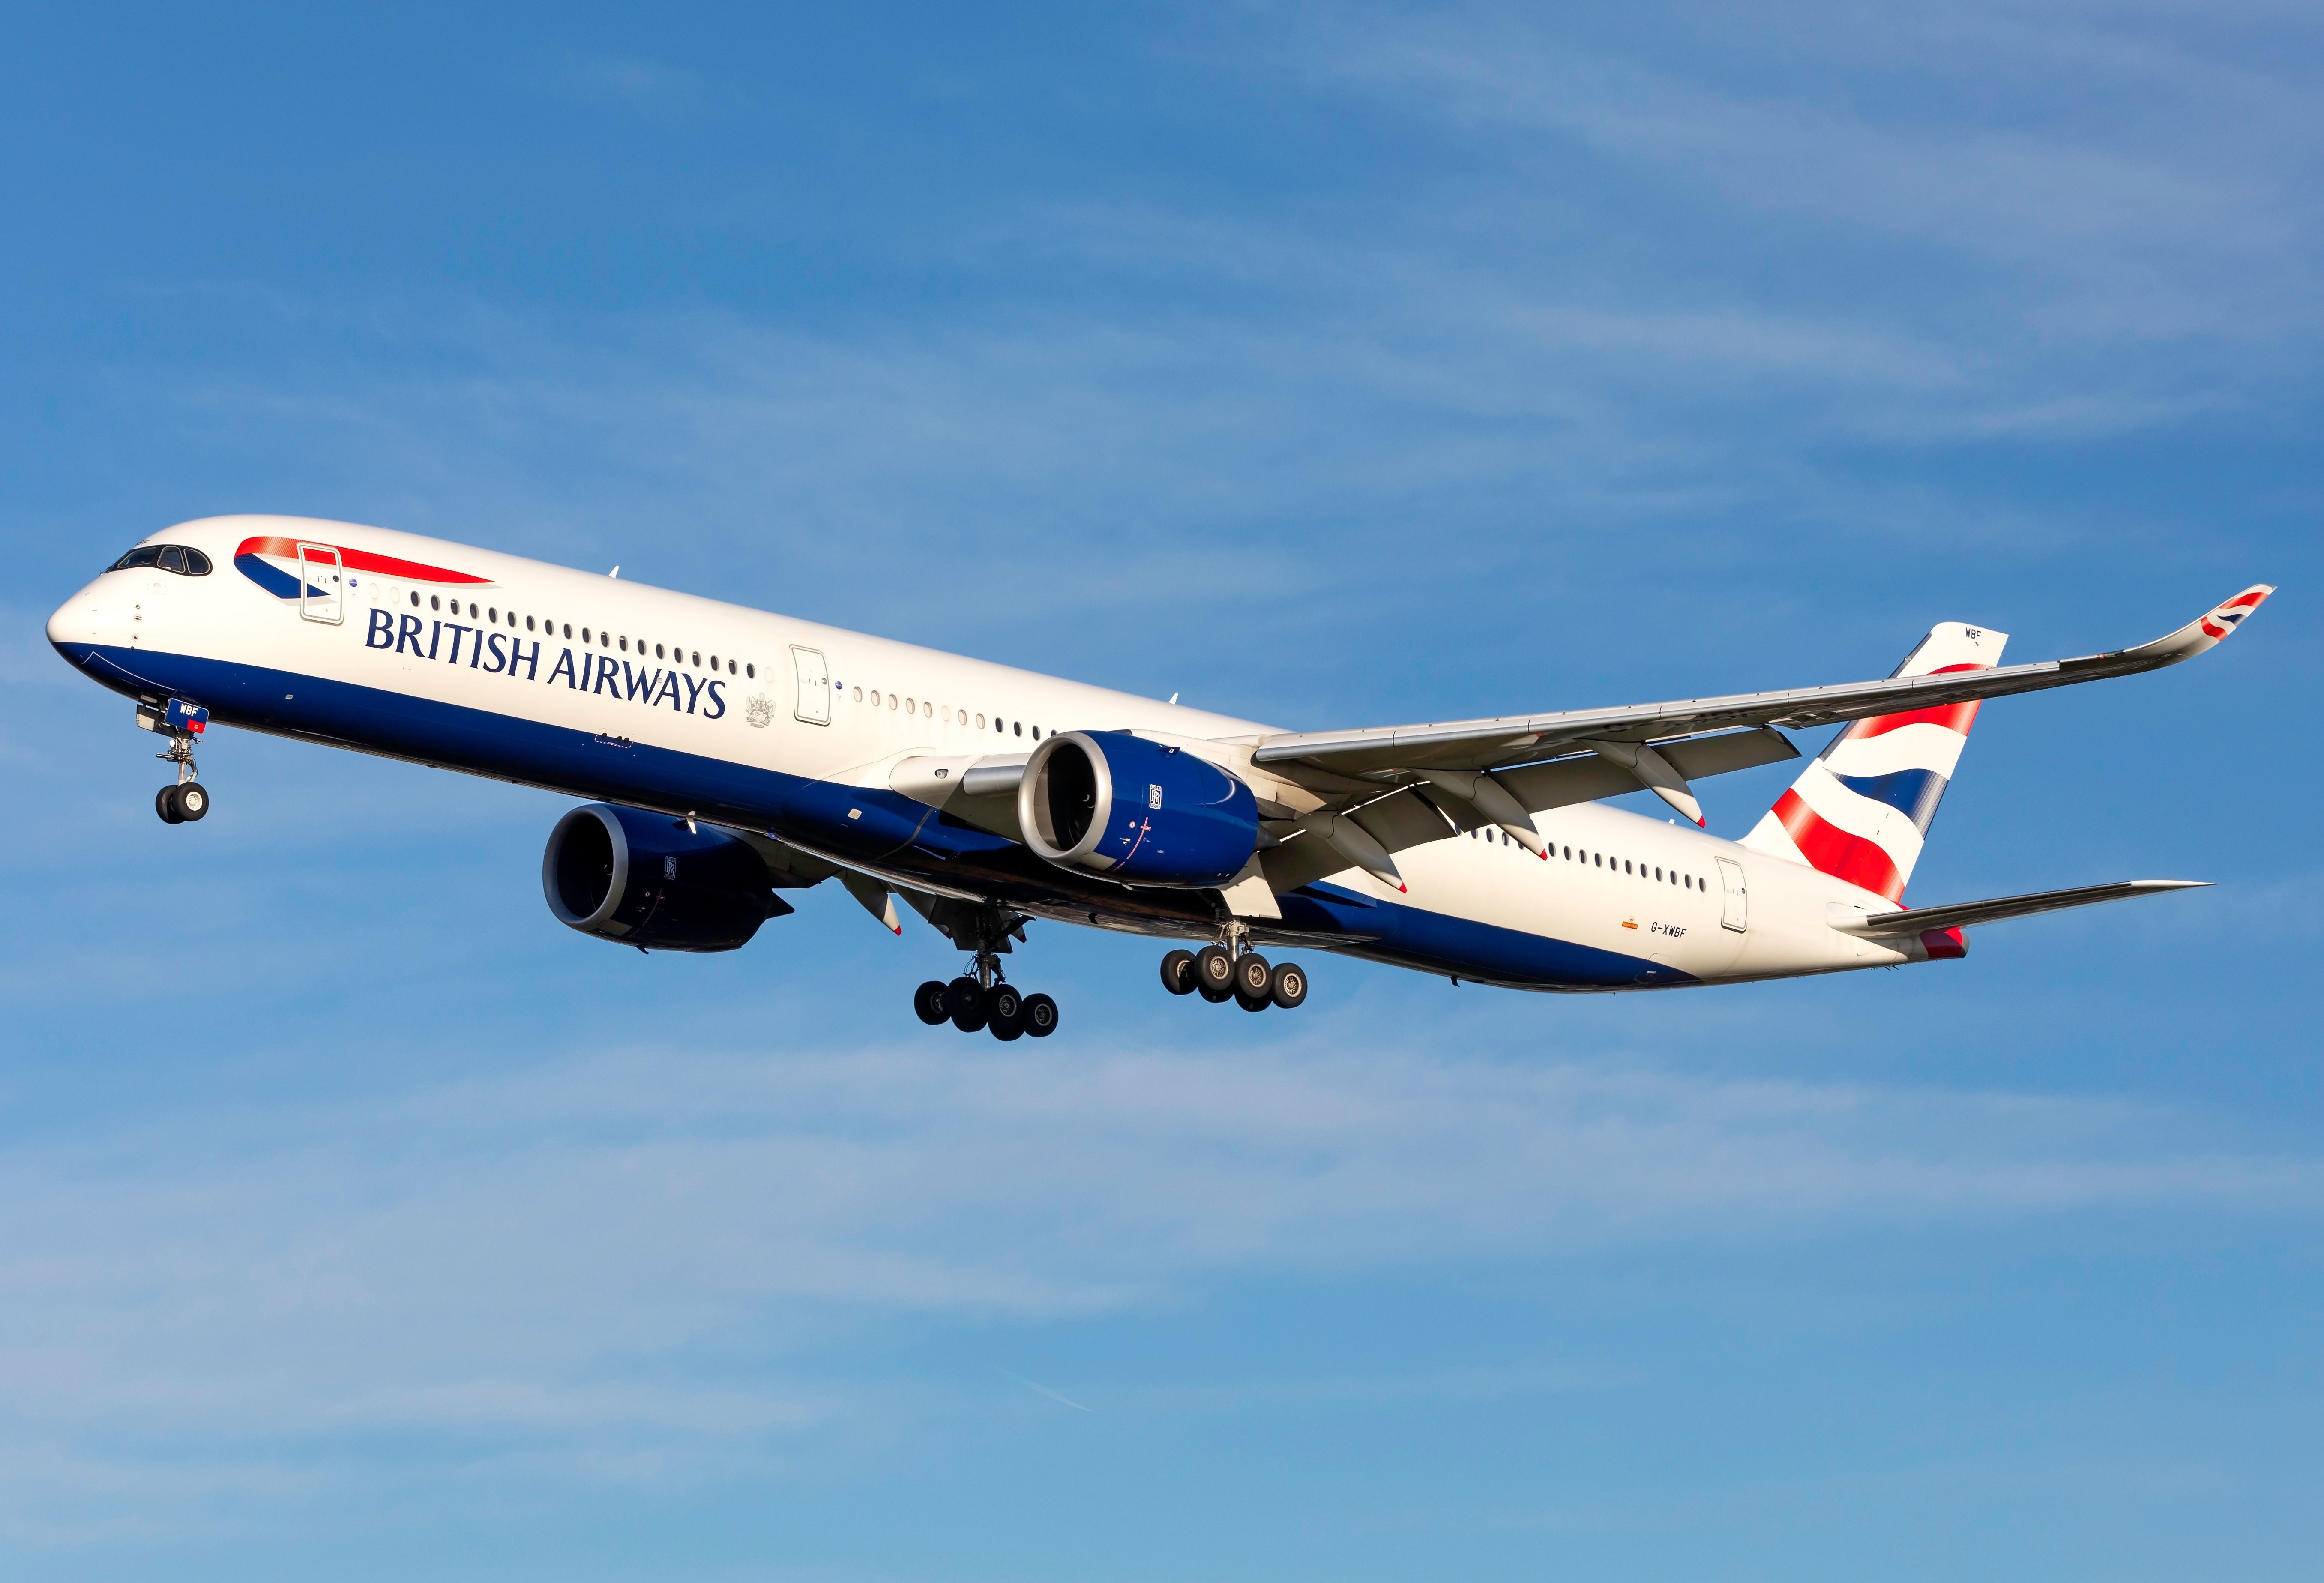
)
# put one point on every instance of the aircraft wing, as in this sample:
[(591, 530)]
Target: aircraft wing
[(1962, 914), (1467, 745)]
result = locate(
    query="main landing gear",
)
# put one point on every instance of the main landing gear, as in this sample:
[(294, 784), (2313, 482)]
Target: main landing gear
[(980, 998), (997, 1008), (1236, 973)]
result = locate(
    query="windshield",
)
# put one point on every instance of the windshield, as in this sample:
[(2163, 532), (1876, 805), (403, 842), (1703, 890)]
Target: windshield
[(183, 559)]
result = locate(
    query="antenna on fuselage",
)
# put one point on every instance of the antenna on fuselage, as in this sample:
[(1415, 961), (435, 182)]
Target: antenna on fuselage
[(615, 572)]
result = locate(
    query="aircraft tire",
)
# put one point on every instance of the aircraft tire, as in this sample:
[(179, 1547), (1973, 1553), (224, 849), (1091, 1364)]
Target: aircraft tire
[(165, 803), (1041, 1015), (1287, 986), (1213, 971), (1178, 972), (964, 1000), (1251, 978), (928, 1002), (193, 800), (1004, 1013)]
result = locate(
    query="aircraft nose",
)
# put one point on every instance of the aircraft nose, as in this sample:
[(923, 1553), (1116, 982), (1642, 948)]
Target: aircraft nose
[(90, 619)]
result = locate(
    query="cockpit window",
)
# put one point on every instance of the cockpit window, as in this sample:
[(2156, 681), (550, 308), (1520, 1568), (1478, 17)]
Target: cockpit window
[(183, 559)]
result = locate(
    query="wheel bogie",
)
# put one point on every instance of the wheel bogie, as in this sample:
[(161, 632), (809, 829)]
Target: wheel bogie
[(1218, 975)]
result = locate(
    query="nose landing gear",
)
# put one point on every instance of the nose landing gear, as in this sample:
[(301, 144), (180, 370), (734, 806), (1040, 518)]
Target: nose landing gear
[(185, 800)]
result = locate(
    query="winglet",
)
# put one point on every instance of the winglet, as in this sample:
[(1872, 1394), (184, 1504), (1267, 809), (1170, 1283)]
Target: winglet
[(2207, 631)]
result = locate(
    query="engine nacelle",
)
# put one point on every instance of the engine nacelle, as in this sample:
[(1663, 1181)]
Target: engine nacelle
[(1136, 811), (643, 879)]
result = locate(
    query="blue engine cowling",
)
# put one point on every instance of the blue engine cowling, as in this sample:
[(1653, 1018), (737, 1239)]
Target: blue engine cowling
[(645, 880), (1136, 812)]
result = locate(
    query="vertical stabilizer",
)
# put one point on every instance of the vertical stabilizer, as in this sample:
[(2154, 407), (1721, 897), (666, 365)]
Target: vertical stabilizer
[(1861, 810)]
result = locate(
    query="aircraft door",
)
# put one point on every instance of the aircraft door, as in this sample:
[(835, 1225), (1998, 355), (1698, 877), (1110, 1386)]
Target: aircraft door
[(322, 584), (1736, 910), (814, 686)]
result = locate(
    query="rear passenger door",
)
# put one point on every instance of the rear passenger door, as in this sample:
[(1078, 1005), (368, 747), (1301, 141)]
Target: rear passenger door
[(1736, 910)]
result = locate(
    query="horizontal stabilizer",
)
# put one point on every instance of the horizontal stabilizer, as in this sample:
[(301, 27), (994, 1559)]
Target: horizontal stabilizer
[(1962, 914)]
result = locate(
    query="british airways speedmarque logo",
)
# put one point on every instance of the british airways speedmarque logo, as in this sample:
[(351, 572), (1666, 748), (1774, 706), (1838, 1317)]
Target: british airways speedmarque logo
[(274, 562)]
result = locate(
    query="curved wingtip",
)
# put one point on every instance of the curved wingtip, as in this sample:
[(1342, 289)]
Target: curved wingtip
[(2208, 630)]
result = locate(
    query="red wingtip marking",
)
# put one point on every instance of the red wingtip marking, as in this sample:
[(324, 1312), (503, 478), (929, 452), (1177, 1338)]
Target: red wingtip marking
[(1703, 824), (2211, 631)]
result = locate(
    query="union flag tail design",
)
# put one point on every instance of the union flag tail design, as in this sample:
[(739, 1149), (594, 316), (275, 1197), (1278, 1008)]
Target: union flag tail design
[(1861, 810)]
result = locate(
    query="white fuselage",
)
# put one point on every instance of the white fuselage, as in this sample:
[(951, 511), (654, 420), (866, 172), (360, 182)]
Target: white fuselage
[(694, 707)]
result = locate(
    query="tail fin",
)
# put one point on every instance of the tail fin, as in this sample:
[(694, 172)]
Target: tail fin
[(1861, 810)]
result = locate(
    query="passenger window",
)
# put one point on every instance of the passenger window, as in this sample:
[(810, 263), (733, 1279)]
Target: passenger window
[(752, 672), (415, 598), (695, 659), (1020, 728)]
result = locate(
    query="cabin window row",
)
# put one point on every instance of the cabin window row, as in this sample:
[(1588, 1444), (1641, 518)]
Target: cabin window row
[(1603, 860), (951, 716), (548, 627)]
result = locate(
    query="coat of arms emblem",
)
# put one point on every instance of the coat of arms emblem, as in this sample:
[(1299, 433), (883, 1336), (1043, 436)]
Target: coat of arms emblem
[(758, 708)]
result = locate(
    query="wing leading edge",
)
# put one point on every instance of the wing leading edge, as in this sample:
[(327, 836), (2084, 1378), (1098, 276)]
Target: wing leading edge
[(1495, 744)]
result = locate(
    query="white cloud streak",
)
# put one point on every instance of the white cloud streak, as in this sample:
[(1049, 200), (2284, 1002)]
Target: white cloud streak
[(510, 1264)]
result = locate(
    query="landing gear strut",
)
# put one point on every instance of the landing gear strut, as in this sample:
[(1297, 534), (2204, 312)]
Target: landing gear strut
[(1232, 971), (186, 798), (981, 997)]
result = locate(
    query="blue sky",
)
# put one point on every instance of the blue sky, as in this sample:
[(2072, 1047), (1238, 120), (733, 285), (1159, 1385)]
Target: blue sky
[(1330, 365)]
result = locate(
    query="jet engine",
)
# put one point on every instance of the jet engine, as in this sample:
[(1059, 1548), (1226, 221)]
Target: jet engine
[(645, 880), (1140, 812)]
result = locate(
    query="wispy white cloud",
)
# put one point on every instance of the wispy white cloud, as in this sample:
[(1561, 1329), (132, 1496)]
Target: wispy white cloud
[(507, 1264)]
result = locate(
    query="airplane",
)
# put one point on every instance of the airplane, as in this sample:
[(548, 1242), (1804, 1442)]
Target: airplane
[(729, 756)]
